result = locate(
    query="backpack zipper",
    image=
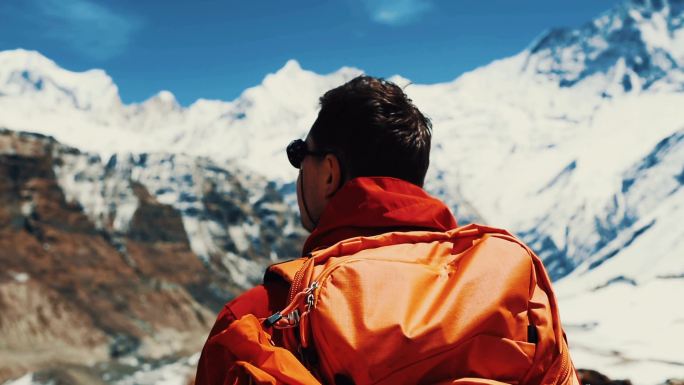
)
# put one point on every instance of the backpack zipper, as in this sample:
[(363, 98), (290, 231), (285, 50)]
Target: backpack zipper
[(565, 367), (298, 278)]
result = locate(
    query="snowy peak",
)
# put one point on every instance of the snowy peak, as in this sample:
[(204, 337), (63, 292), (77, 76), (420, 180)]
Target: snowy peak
[(291, 66), (279, 87), (630, 48), (163, 102), (83, 109), (29, 74)]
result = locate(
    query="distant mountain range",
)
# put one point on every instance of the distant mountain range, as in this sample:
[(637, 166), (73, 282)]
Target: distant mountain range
[(576, 144)]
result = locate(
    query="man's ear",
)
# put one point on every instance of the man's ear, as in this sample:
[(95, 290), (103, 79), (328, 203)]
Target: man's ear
[(334, 175)]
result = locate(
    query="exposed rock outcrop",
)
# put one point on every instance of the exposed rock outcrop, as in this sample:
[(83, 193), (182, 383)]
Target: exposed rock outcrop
[(592, 377), (76, 290)]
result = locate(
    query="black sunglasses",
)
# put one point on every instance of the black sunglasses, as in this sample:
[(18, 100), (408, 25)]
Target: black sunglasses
[(297, 151)]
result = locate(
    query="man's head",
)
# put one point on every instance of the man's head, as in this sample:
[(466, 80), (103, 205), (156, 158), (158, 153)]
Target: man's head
[(366, 127)]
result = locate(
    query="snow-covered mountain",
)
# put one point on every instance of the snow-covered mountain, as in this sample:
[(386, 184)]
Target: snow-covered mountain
[(638, 46), (575, 144), (234, 221), (84, 110)]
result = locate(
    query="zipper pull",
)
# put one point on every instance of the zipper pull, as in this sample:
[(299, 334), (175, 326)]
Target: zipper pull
[(291, 316), (304, 322), (310, 299)]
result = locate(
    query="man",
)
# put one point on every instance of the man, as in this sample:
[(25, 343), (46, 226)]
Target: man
[(361, 172)]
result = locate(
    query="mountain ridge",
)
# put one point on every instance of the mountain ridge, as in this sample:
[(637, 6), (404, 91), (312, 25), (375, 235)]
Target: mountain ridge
[(552, 143)]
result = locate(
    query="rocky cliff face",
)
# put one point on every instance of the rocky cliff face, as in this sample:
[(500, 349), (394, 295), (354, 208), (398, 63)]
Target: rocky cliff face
[(97, 267)]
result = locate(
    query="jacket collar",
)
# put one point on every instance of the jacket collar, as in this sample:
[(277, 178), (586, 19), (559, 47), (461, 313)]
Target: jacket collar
[(368, 206)]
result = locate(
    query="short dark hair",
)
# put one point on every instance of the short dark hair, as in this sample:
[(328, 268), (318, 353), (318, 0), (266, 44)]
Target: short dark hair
[(375, 130)]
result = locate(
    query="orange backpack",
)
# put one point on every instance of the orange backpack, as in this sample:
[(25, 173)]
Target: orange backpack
[(470, 306)]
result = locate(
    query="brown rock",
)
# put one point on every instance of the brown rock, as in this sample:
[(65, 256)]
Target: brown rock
[(592, 377), (67, 295), (74, 290)]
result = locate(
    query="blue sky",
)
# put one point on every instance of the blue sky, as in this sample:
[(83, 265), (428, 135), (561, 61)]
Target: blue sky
[(216, 49)]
